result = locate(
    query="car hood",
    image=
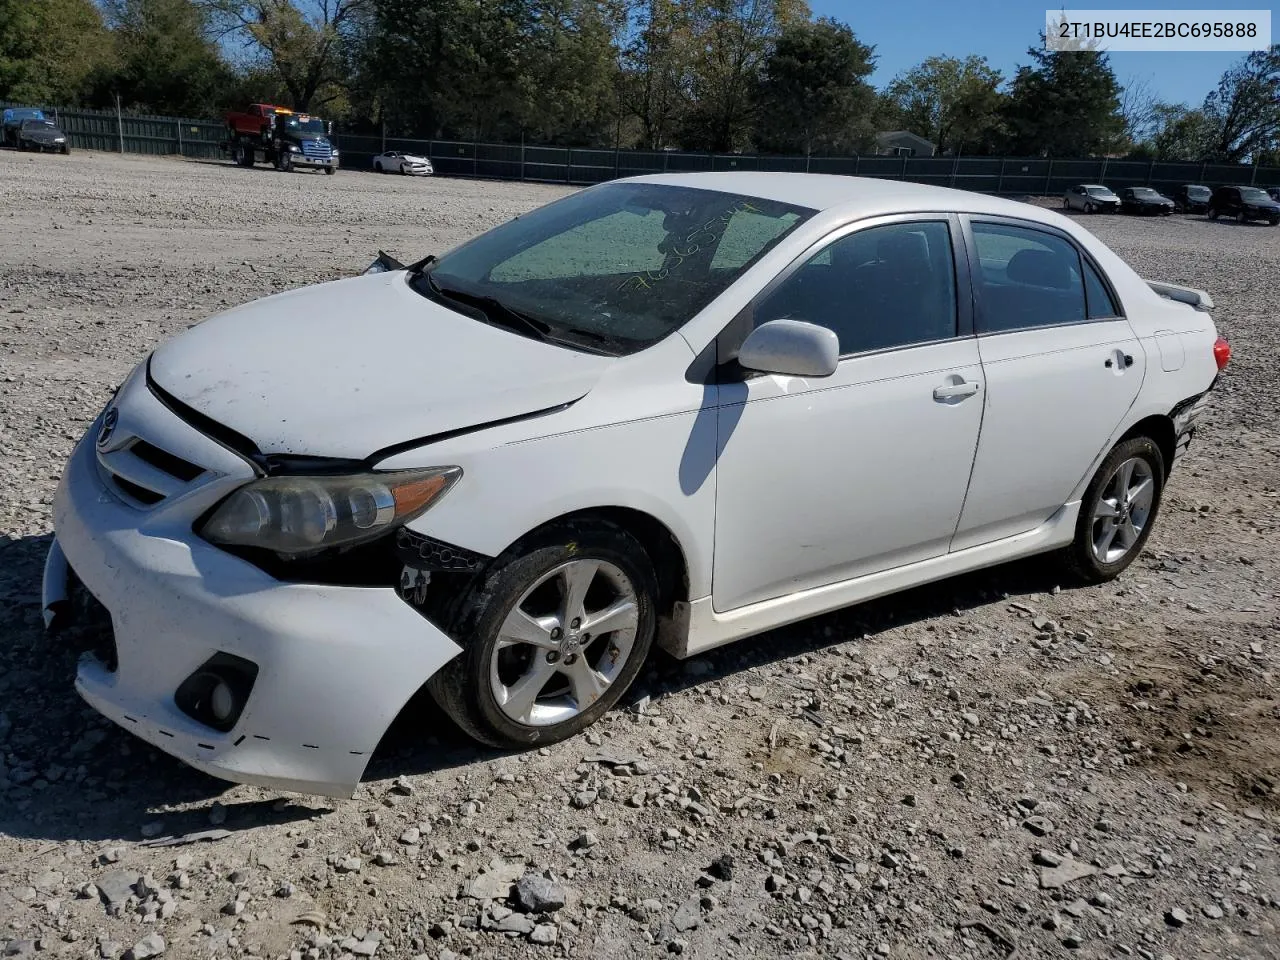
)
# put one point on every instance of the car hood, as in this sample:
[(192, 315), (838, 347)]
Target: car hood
[(348, 368), (415, 158)]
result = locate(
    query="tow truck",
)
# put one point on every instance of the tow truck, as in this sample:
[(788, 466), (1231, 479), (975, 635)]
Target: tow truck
[(266, 133)]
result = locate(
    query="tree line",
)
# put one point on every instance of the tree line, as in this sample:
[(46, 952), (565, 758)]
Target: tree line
[(723, 75)]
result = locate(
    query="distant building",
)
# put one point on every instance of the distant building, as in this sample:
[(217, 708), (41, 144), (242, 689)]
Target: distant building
[(903, 143)]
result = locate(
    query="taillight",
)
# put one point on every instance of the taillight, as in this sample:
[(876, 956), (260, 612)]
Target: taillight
[(1221, 352)]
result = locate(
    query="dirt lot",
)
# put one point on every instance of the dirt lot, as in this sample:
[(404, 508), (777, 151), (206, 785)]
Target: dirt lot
[(996, 764)]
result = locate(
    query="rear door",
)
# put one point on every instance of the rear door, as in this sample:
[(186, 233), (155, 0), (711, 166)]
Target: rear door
[(1062, 367)]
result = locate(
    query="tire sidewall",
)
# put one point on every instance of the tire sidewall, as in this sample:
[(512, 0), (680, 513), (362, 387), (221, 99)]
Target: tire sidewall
[(483, 612), (1084, 560)]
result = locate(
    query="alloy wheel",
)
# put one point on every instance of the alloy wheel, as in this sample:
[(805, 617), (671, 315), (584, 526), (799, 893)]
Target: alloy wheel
[(566, 640), (1123, 510)]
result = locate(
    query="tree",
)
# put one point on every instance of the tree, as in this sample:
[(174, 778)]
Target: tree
[(656, 71), (303, 41), (951, 102), (166, 61), (1178, 133), (50, 49), (813, 93), (732, 38), (1139, 109), (1067, 104), (1244, 111)]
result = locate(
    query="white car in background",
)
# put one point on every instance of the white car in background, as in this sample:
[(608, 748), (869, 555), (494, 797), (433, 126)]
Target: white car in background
[(675, 410), (393, 161)]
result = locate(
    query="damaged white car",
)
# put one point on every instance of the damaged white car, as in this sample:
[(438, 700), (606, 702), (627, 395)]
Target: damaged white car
[(673, 410)]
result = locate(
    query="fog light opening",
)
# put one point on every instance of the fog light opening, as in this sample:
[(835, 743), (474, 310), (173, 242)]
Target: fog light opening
[(216, 693)]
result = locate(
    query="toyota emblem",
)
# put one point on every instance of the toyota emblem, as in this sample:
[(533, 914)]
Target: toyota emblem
[(108, 427)]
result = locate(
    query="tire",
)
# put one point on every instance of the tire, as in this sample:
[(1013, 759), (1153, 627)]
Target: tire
[(1213, 213), (329, 171), (1090, 208), (66, 149), (1242, 217), (377, 168), (1143, 459), (1066, 204), (481, 688)]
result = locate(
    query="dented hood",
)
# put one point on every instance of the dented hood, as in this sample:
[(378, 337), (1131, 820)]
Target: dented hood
[(348, 368)]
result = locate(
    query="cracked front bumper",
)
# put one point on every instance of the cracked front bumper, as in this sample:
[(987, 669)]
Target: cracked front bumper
[(335, 664)]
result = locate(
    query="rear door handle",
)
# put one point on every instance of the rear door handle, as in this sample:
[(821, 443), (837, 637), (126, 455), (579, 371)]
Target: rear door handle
[(955, 391)]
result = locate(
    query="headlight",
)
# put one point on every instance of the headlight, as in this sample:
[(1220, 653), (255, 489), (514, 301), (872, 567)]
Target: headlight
[(59, 139), (294, 148), (300, 515), (333, 151)]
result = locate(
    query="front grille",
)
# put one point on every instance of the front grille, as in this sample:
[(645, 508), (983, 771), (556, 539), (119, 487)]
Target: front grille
[(315, 149), (144, 474)]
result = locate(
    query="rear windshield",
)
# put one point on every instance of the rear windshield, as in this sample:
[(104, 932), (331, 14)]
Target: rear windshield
[(624, 264)]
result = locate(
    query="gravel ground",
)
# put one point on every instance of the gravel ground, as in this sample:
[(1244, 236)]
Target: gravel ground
[(993, 765)]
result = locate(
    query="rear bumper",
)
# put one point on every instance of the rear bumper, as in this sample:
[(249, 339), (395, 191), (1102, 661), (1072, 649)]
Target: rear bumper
[(335, 664), (1184, 417)]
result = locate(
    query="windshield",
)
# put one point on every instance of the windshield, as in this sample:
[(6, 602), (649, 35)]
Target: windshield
[(1253, 195), (1146, 193), (1100, 192), (624, 264), (22, 114), (1198, 193), (310, 127), (37, 125)]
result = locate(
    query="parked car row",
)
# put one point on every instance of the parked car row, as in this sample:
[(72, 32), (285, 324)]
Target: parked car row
[(1243, 203), (27, 128)]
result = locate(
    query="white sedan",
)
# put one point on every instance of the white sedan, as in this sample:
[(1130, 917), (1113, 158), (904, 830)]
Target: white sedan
[(410, 164), (672, 410)]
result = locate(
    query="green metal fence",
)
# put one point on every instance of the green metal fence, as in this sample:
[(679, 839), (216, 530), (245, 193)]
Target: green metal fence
[(202, 139), (138, 133)]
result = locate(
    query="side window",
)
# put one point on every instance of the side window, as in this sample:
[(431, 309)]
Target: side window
[(1098, 298), (1026, 278), (883, 287)]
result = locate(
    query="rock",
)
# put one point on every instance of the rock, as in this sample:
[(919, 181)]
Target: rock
[(116, 887), (348, 865), (722, 868), (536, 894), (1176, 917), (584, 841), (583, 799), (1040, 826), (402, 786), (890, 861), (1052, 878), (384, 859), (1212, 911), (495, 883), (544, 934), (515, 923), (362, 948), (147, 947), (217, 814), (688, 915), (411, 836), (1046, 858), (19, 948), (152, 829)]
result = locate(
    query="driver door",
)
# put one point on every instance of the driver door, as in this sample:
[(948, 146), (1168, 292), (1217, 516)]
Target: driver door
[(825, 480)]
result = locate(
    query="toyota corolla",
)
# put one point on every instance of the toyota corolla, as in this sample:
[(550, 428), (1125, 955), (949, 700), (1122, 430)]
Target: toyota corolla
[(673, 411)]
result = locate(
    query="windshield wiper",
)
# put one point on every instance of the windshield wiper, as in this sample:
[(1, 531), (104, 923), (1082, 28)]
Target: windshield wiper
[(494, 309)]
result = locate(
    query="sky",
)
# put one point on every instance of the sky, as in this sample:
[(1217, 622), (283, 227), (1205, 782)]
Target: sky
[(904, 32)]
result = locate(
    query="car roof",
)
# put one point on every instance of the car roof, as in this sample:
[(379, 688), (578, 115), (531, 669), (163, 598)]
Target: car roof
[(870, 196)]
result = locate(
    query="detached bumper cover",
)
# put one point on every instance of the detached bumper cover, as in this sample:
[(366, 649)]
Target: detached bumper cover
[(336, 664)]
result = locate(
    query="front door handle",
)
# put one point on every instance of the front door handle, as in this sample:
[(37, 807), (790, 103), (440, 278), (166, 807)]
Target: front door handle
[(955, 391)]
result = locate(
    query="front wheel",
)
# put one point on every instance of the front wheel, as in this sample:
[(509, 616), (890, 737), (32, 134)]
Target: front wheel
[(329, 171), (552, 636), (1213, 213), (1118, 511), (1242, 217), (1090, 208)]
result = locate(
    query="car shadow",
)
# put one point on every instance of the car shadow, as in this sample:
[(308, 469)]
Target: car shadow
[(68, 774), (423, 740)]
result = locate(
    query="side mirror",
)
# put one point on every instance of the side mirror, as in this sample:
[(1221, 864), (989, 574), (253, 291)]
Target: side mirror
[(792, 348), (384, 263)]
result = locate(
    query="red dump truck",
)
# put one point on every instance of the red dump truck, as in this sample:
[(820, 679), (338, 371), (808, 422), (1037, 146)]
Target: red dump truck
[(282, 137)]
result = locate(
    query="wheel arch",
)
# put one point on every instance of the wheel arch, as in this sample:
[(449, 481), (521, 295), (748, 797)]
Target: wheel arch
[(1159, 429)]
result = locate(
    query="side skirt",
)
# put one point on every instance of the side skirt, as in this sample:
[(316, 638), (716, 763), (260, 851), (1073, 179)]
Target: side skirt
[(707, 629)]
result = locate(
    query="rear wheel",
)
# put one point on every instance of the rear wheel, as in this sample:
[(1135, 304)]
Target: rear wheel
[(377, 168), (1118, 511), (1242, 217), (553, 636)]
